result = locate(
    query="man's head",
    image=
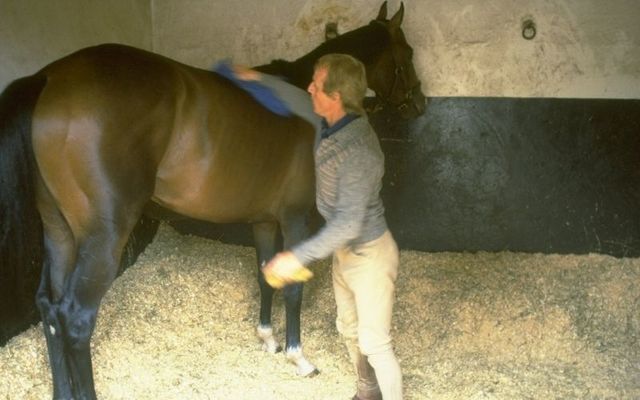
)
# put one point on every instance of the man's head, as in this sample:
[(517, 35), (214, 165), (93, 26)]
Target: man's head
[(339, 81)]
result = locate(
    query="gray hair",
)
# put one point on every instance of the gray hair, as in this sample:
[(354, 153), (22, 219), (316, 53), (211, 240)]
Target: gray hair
[(345, 75)]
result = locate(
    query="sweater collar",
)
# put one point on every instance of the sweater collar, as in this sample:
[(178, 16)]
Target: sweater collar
[(327, 130)]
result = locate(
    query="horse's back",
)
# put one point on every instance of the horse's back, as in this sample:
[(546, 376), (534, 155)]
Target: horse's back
[(243, 161)]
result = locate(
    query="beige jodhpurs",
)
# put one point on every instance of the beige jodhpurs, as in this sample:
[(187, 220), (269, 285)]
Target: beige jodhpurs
[(364, 284)]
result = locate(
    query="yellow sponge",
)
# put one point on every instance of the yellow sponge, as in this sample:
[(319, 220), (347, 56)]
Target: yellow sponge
[(302, 274)]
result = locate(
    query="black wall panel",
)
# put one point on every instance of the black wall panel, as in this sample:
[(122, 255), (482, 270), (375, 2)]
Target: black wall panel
[(533, 175)]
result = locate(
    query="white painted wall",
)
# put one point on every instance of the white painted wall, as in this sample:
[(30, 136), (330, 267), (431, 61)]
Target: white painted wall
[(252, 32), (583, 48), (35, 32)]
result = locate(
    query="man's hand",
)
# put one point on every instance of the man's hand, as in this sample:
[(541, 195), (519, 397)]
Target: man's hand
[(285, 268), (245, 73)]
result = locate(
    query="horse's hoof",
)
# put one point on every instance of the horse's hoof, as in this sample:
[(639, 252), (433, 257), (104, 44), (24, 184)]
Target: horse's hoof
[(304, 367), (307, 371), (272, 348), (373, 396), (269, 343), (313, 373)]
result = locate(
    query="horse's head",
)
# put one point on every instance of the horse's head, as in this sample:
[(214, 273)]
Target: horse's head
[(392, 75), (382, 48)]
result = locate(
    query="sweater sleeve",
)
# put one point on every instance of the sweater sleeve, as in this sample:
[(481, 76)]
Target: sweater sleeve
[(296, 99), (355, 184)]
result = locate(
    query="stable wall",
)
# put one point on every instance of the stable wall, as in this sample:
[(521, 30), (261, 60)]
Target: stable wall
[(34, 33), (465, 53), (527, 145), (488, 86), (583, 49), (497, 162)]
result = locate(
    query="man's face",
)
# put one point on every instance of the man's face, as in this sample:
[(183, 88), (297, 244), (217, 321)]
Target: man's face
[(323, 104)]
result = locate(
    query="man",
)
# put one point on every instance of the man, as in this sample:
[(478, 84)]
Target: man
[(349, 170)]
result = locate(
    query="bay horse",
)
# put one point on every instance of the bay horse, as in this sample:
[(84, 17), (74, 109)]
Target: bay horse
[(94, 139)]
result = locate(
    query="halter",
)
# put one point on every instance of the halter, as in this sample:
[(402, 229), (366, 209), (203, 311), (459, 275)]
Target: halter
[(397, 77), (408, 97)]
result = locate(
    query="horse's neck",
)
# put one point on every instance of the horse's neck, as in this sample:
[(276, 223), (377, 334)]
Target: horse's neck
[(297, 72), (364, 43)]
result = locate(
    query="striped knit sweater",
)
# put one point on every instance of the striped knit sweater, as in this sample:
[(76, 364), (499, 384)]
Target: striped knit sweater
[(349, 170)]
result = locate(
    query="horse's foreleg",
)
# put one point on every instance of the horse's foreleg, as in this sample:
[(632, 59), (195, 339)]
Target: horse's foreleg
[(266, 239), (294, 230), (293, 304)]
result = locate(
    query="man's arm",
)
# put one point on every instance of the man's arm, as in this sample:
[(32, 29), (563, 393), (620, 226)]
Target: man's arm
[(296, 99)]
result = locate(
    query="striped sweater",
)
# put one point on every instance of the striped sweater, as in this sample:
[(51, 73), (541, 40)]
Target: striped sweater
[(349, 170)]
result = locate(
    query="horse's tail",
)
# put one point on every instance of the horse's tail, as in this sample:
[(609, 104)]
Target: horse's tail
[(21, 249)]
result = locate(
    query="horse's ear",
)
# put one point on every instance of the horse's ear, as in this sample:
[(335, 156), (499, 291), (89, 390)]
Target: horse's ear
[(396, 20), (382, 14)]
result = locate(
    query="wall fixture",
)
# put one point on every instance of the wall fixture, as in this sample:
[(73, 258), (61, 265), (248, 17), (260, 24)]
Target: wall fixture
[(528, 29), (330, 31)]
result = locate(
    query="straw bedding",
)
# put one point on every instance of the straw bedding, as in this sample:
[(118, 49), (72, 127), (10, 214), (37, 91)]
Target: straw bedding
[(180, 324)]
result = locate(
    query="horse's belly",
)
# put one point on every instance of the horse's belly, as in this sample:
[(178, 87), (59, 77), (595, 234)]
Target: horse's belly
[(217, 197)]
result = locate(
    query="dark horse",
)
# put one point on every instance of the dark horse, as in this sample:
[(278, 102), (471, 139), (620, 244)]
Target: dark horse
[(96, 137)]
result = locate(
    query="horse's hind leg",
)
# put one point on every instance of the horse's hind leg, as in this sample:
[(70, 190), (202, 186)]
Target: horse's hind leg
[(266, 243), (96, 268), (59, 258), (78, 271)]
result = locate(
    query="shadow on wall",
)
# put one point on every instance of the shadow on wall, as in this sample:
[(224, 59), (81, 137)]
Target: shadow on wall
[(531, 175)]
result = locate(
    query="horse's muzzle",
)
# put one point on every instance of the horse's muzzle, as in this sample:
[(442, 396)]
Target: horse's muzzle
[(414, 105)]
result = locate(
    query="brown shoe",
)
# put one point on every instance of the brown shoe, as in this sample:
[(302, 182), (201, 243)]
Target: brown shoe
[(372, 396), (367, 383)]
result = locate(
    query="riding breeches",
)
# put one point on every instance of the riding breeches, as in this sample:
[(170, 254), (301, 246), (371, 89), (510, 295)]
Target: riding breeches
[(364, 284)]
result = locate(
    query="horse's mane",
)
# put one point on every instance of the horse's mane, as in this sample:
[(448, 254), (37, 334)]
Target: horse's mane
[(364, 43)]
